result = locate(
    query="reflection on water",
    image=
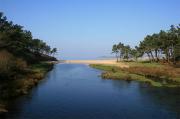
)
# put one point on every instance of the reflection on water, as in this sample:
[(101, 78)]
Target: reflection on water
[(168, 98), (74, 91)]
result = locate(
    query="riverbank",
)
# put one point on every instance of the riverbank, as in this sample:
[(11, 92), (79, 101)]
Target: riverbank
[(154, 74), (23, 83)]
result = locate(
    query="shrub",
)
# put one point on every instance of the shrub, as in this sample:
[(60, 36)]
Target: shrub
[(10, 65), (6, 63)]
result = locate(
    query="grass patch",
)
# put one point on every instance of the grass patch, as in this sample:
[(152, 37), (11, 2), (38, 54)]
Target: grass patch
[(156, 75), (41, 67), (103, 67), (129, 77), (144, 64)]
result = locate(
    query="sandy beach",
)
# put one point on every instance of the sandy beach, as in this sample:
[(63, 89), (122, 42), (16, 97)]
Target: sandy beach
[(104, 62)]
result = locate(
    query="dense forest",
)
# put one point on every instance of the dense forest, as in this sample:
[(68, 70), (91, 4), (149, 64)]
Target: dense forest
[(19, 50), (163, 46)]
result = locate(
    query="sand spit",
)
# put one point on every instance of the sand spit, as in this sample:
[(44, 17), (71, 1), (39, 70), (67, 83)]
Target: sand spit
[(104, 62)]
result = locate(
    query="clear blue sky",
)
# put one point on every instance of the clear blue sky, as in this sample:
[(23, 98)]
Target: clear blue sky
[(85, 29)]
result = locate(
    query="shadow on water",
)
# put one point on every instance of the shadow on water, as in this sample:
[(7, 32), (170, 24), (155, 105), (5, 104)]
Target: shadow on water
[(16, 103), (168, 98), (75, 91)]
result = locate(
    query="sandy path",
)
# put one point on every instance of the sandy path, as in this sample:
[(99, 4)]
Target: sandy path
[(104, 62)]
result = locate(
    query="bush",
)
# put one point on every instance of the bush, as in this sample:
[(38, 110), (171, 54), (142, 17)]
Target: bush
[(6, 63), (20, 64), (10, 65)]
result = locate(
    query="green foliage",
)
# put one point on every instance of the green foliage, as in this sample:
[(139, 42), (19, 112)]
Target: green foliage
[(10, 65), (18, 49), (164, 45), (124, 51), (20, 55), (20, 43), (115, 51)]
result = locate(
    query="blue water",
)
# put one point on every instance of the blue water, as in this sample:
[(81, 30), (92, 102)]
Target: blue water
[(75, 91)]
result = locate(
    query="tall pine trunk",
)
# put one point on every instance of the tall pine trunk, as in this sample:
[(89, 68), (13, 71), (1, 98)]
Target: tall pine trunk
[(117, 57), (173, 54), (152, 55), (156, 55), (148, 56), (167, 54)]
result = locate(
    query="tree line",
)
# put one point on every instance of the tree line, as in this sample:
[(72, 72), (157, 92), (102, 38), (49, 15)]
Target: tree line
[(162, 46), (19, 50), (20, 42)]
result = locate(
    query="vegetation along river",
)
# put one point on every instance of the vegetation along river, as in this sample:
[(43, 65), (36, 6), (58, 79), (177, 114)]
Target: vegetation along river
[(75, 91)]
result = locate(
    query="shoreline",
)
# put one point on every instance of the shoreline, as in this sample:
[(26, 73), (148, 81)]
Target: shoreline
[(110, 62), (156, 75), (24, 85)]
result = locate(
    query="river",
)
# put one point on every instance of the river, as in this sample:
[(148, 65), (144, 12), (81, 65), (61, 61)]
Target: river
[(75, 91)]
